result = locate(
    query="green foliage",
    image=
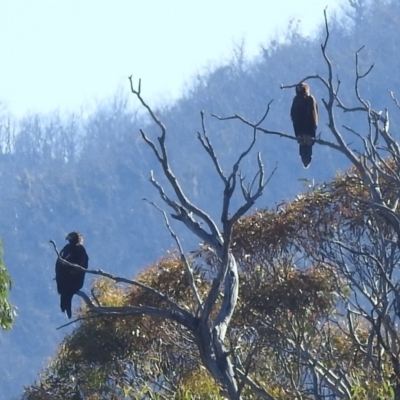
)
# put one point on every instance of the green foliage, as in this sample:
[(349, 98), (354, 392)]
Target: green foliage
[(7, 312), (373, 391)]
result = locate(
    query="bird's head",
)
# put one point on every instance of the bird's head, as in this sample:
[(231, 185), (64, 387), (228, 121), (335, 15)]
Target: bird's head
[(303, 89), (74, 238)]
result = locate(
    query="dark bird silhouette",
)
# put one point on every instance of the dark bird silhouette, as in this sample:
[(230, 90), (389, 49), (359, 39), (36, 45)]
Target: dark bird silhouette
[(304, 114), (69, 279)]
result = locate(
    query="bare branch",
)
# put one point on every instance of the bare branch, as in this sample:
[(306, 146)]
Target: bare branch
[(184, 260), (162, 157), (318, 77), (281, 134), (206, 143), (76, 320), (359, 77), (137, 92), (131, 310), (258, 390)]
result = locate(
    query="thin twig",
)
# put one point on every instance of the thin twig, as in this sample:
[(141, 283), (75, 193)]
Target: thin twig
[(184, 260)]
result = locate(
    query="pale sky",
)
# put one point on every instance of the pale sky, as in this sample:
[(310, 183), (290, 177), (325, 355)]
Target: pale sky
[(68, 54)]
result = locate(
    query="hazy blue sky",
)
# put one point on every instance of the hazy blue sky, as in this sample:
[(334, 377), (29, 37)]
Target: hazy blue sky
[(65, 54)]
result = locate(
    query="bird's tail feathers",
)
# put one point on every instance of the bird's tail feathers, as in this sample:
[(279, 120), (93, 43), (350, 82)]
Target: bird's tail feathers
[(306, 155), (66, 304)]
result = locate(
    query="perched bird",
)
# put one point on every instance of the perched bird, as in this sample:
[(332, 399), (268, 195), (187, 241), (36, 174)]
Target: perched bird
[(69, 279), (304, 114)]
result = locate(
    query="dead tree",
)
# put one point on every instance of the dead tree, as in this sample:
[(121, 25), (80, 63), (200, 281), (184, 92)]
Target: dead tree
[(207, 325)]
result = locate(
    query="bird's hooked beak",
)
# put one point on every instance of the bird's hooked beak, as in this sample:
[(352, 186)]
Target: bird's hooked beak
[(68, 237)]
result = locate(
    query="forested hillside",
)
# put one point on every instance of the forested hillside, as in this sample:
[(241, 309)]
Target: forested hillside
[(90, 173)]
